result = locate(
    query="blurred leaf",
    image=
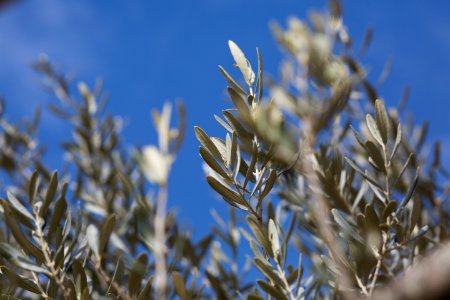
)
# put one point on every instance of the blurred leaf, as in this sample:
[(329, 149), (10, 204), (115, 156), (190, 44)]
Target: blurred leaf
[(137, 273), (105, 233), (93, 237), (50, 195), (274, 241), (272, 290), (410, 192), (180, 285), (21, 281), (33, 186), (229, 195)]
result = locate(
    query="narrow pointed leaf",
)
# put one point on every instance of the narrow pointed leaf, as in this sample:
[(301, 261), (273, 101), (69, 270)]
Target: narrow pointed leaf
[(206, 141), (107, 229), (373, 128), (212, 163), (382, 120)]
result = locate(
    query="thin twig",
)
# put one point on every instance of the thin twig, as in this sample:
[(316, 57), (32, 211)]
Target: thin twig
[(110, 282), (379, 263)]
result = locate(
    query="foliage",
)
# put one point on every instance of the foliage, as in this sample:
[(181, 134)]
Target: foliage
[(340, 199)]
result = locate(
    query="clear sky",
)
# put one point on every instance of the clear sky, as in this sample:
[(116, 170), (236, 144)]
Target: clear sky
[(151, 51)]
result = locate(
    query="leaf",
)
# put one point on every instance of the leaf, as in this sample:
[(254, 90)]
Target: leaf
[(237, 126), (144, 294), (19, 207), (155, 164), (415, 213), (33, 186), (228, 194), (254, 297), (240, 104), (223, 123), (358, 137), (16, 257), (79, 274), (382, 120), (23, 241), (411, 155), (92, 236), (181, 126), (107, 229), (137, 273), (348, 229), (370, 91), (260, 234), (259, 182), (180, 285), (271, 179), (398, 140), (409, 193), (330, 265), (50, 195), (236, 158), (268, 271), (367, 177), (232, 82), (274, 241), (206, 141), (376, 156), (260, 83), (58, 213), (242, 63), (233, 151), (373, 128), (422, 231), (389, 209), (271, 290), (251, 167), (21, 281), (212, 163), (372, 227)]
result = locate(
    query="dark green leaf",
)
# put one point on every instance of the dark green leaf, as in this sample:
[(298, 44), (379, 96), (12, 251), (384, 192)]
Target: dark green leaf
[(137, 273), (206, 141), (251, 167), (212, 163), (50, 195), (229, 195), (180, 285), (33, 186), (273, 291), (107, 229), (410, 192)]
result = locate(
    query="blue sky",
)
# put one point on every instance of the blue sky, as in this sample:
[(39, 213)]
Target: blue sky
[(151, 51)]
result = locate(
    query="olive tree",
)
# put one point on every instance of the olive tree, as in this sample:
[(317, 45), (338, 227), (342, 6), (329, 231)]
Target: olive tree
[(338, 196)]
